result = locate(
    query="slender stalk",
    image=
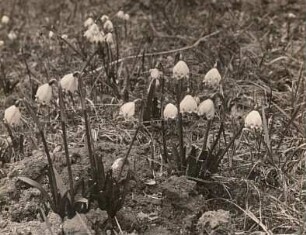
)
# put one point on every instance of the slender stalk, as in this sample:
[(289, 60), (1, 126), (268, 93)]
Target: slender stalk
[(63, 124), (180, 123), (129, 150), (165, 155), (206, 136)]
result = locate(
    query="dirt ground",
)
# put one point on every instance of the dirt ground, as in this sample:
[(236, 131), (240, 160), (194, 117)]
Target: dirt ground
[(258, 185)]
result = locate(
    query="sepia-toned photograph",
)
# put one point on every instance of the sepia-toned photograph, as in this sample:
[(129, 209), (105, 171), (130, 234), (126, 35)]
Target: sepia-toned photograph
[(152, 117)]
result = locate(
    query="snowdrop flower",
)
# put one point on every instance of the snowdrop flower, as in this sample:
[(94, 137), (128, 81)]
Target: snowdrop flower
[(12, 115), (44, 93), (5, 19), (104, 18), (93, 34), (120, 15), (212, 78), (180, 70), (1, 43), (188, 105), (108, 26), (155, 73), (64, 36), (253, 120), (88, 22), (12, 35), (207, 108), (70, 82), (51, 34), (109, 39), (126, 17), (170, 111), (127, 110), (117, 168)]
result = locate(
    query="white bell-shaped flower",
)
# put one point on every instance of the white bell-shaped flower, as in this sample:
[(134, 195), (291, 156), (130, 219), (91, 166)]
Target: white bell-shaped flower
[(212, 78), (12, 35), (1, 43), (127, 110), (88, 22), (117, 168), (207, 108), (69, 83), (12, 115), (109, 39), (104, 18), (5, 19), (155, 73), (188, 105), (120, 15), (51, 34), (253, 120), (126, 17), (170, 111), (93, 34), (108, 26), (64, 36), (44, 93), (180, 70)]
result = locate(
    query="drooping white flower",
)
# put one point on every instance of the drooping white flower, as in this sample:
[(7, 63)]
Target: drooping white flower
[(170, 111), (51, 34), (93, 34), (126, 17), (155, 73), (181, 70), (44, 93), (108, 26), (127, 110), (5, 19), (120, 15), (207, 108), (188, 105), (109, 39), (1, 43), (253, 120), (69, 83), (104, 18), (12, 115), (117, 168), (88, 22), (12, 35), (212, 78), (64, 36)]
